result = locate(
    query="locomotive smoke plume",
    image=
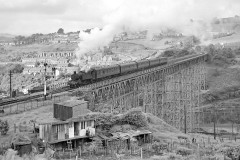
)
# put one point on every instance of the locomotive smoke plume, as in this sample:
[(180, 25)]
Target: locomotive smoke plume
[(94, 40), (190, 17)]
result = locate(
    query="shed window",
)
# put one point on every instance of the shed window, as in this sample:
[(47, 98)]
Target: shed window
[(88, 123), (83, 125)]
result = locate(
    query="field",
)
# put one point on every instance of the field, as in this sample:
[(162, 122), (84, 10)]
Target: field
[(159, 45), (229, 39)]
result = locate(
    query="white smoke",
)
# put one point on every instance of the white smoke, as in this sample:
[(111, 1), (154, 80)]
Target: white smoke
[(190, 17), (97, 38)]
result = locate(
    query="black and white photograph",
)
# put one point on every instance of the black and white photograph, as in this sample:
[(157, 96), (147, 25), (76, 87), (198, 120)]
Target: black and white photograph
[(119, 79)]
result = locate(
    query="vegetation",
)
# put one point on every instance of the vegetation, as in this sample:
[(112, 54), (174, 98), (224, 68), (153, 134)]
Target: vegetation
[(177, 52), (4, 127), (220, 56), (60, 31)]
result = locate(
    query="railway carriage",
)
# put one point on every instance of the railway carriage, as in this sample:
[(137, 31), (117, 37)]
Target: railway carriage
[(101, 73), (128, 67), (154, 62), (97, 74), (142, 64)]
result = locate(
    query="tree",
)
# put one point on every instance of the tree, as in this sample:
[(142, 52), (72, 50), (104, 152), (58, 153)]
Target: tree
[(37, 64), (18, 68), (4, 127), (60, 31)]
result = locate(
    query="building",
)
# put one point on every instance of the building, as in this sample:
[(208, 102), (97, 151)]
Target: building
[(73, 131), (56, 54), (22, 144), (26, 60), (7, 43), (62, 62), (60, 133), (30, 64), (39, 70), (69, 70)]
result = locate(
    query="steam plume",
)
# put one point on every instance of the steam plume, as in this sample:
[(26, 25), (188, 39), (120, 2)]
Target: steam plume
[(154, 15)]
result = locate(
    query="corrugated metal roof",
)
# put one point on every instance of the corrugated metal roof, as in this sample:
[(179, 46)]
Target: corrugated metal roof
[(129, 134)]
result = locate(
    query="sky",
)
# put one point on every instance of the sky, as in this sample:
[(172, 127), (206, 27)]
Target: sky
[(25, 17)]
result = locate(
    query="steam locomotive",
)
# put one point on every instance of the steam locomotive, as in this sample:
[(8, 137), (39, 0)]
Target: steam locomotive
[(98, 74)]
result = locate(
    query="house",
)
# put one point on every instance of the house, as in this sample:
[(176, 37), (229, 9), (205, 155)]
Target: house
[(70, 128), (62, 62), (60, 133), (26, 60), (30, 64), (58, 54), (69, 70), (6, 43)]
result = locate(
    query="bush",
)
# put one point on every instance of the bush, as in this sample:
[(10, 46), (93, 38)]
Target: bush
[(134, 117), (4, 127)]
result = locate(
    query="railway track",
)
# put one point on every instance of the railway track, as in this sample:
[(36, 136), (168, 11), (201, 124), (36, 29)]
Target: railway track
[(68, 89), (30, 97)]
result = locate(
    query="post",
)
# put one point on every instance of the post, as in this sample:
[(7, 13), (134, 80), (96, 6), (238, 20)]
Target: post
[(45, 88), (10, 74), (45, 82), (214, 127), (214, 123), (185, 120), (141, 154)]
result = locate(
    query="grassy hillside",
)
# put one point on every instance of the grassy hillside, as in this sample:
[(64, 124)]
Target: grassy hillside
[(15, 53), (228, 39)]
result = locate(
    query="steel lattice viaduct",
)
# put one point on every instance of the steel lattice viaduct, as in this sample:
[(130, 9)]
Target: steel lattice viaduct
[(171, 91)]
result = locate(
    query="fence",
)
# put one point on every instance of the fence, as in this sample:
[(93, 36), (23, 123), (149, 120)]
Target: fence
[(32, 104), (101, 152)]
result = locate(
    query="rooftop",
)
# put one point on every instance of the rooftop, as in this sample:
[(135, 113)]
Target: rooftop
[(72, 103), (54, 121)]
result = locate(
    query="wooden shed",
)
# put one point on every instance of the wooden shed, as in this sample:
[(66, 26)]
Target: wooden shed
[(69, 109), (22, 144)]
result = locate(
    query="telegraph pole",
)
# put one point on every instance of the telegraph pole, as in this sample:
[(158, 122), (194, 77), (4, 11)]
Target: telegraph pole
[(185, 120), (10, 74), (214, 126), (45, 82), (214, 123)]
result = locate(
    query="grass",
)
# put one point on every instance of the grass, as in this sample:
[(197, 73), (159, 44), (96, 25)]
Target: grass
[(152, 44), (229, 39), (40, 114)]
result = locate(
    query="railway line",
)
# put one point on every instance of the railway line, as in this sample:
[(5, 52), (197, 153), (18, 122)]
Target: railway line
[(30, 97), (68, 89)]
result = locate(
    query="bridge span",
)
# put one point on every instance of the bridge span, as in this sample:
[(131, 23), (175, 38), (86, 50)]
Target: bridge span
[(171, 92)]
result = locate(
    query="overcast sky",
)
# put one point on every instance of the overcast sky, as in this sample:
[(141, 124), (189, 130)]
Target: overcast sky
[(47, 16)]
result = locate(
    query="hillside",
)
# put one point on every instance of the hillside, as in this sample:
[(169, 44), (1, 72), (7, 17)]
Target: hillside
[(15, 53), (6, 37), (226, 24), (228, 39)]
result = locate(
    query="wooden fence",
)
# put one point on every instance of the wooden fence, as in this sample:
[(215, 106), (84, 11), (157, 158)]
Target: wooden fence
[(32, 104), (100, 151)]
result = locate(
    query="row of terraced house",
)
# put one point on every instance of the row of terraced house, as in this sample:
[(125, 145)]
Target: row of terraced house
[(60, 60)]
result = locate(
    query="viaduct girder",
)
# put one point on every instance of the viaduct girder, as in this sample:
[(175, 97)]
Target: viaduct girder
[(167, 91)]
